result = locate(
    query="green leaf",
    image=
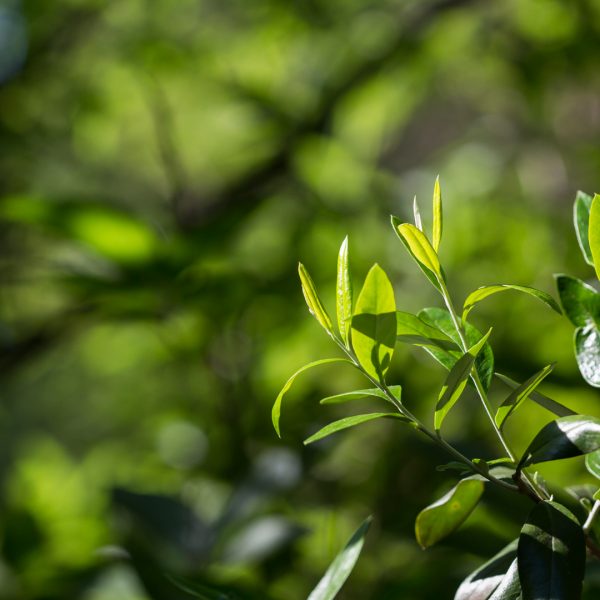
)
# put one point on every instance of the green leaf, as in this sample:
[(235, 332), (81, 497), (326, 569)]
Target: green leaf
[(587, 353), (456, 381), (360, 394), (374, 324), (480, 584), (581, 217), (446, 515), (551, 554), (592, 463), (417, 215), (344, 293), (487, 290), (437, 214), (315, 306), (440, 318), (521, 393), (510, 586), (412, 330), (348, 422), (342, 566), (563, 438), (551, 405), (420, 249), (594, 233), (276, 411), (580, 301)]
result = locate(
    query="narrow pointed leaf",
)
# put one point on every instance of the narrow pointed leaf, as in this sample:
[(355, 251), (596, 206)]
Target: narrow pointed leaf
[(412, 330), (483, 292), (510, 586), (456, 381), (563, 438), (276, 411), (315, 306), (520, 394), (480, 584), (348, 422), (417, 215), (581, 217), (360, 394), (551, 405), (447, 514), (587, 353), (342, 566), (594, 233), (437, 215), (374, 323), (420, 249), (580, 301), (344, 293), (551, 554)]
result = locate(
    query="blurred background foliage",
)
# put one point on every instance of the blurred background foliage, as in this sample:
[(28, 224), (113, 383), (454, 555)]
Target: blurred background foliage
[(163, 167)]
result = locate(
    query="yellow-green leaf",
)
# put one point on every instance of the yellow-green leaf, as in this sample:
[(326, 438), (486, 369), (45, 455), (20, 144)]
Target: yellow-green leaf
[(315, 306), (437, 214), (419, 247), (594, 233), (344, 293), (417, 215)]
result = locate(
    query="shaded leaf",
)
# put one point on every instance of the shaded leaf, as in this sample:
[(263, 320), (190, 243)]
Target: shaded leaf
[(510, 586), (437, 215), (446, 515), (410, 329), (374, 323), (360, 394), (587, 353), (581, 218), (551, 405), (519, 394), (580, 301), (594, 233), (342, 566), (563, 438), (456, 381), (483, 292), (348, 422), (480, 584), (551, 554), (276, 410), (344, 293), (315, 306)]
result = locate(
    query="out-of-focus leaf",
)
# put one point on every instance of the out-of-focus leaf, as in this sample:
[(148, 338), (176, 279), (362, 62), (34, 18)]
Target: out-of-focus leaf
[(594, 233), (580, 301), (483, 292), (551, 405), (456, 381), (563, 438), (420, 249), (480, 584), (276, 411), (348, 422), (315, 306), (360, 394), (510, 586), (587, 353), (410, 329), (436, 236), (440, 318), (520, 394), (551, 554), (417, 215), (342, 566), (344, 293), (581, 218), (374, 323), (441, 518)]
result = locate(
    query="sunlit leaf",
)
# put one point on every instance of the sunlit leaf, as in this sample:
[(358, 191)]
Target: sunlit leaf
[(374, 323), (348, 422), (581, 218), (396, 391), (520, 394), (587, 353), (592, 463), (342, 566), (483, 292), (276, 411), (594, 233), (551, 554), (456, 381), (510, 586), (447, 514), (315, 306), (437, 215), (344, 293), (580, 301), (417, 215), (563, 438)]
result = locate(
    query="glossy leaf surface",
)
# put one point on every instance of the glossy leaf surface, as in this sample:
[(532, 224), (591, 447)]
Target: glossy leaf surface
[(342, 566), (360, 394), (447, 514), (344, 293), (483, 292), (436, 236), (581, 218), (587, 352), (410, 329), (276, 410), (315, 306), (563, 438), (348, 422), (592, 463), (518, 395), (510, 586), (551, 554), (417, 215), (580, 301), (594, 233), (374, 323)]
